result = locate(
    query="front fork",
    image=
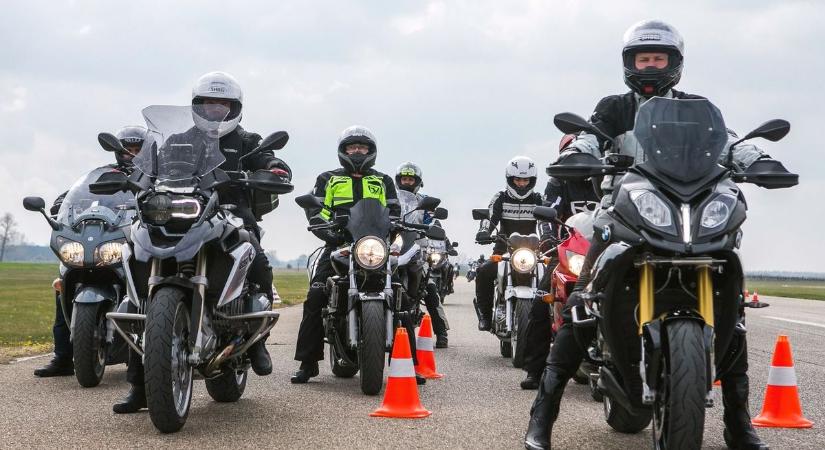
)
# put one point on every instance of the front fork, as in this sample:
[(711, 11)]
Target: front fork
[(704, 297)]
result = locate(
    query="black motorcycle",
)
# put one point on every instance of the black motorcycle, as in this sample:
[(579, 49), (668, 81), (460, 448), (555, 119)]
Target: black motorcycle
[(666, 294), (87, 237), (440, 271), (516, 286), (193, 311), (365, 302)]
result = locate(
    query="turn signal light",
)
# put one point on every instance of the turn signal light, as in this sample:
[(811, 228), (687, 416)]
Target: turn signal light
[(548, 298), (495, 258)]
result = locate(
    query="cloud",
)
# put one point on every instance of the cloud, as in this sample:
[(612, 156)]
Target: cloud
[(16, 100)]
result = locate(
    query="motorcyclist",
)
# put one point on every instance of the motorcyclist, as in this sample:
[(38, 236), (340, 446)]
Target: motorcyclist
[(220, 91), (340, 189), (62, 364), (408, 177), (512, 208), (653, 57), (567, 197)]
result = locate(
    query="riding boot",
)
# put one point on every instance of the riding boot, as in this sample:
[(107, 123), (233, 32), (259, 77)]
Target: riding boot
[(55, 368), (307, 370), (531, 381), (259, 357), (485, 321), (545, 410), (135, 400), (739, 433)]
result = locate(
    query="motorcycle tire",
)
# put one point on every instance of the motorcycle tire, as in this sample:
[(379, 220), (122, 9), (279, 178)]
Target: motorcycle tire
[(506, 349), (228, 387), (372, 347), (339, 370), (679, 411), (168, 384), (519, 339), (89, 343), (621, 420)]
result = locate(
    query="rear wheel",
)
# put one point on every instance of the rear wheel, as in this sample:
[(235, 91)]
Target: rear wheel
[(679, 408), (621, 420), (228, 387), (372, 347), (519, 335), (337, 366), (89, 343), (167, 369), (506, 349)]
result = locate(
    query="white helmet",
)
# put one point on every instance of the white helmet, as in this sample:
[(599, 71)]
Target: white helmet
[(520, 167), (219, 85)]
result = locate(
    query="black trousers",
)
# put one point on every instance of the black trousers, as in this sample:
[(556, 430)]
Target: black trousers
[(61, 333), (485, 283), (310, 344), (539, 328), (439, 318)]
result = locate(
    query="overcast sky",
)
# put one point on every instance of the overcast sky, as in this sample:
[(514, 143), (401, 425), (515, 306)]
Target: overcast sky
[(458, 87)]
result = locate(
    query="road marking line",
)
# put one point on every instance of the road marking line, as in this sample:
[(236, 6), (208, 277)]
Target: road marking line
[(29, 358), (801, 322)]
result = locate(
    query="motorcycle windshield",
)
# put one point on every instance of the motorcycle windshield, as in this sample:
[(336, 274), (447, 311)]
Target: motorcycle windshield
[(182, 143), (79, 203), (368, 218), (409, 202), (681, 138)]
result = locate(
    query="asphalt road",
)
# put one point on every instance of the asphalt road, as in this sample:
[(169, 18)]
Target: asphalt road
[(478, 403)]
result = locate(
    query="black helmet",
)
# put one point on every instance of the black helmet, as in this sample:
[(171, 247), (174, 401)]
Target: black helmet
[(130, 136), (357, 134), (409, 169), (652, 36)]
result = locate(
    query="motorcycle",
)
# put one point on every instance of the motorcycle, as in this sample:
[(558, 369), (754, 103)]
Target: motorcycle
[(472, 267), (516, 284), (666, 293), (87, 235), (439, 269), (365, 303), (191, 310)]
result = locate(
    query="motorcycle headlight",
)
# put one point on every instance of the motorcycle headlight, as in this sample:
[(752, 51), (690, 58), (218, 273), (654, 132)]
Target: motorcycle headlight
[(652, 208), (435, 257), (575, 262), (108, 253), (71, 253), (370, 252), (716, 213), (161, 208), (523, 260)]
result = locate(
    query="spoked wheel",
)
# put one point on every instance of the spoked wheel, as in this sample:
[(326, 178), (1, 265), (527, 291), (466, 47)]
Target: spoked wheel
[(89, 343), (372, 347), (229, 386), (519, 335), (168, 372), (679, 408)]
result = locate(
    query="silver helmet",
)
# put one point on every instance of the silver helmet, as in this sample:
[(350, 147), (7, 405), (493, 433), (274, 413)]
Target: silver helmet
[(409, 169), (357, 134), (652, 36)]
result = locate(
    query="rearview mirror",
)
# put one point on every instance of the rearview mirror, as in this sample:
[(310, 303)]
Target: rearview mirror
[(440, 213), (772, 130), (570, 123), (455, 244), (34, 203), (544, 213), (274, 141), (308, 201), (110, 143), (428, 204), (481, 214)]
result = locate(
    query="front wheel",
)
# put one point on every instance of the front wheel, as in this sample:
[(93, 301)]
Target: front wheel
[(679, 408), (519, 339), (227, 387), (89, 343), (167, 369), (371, 347)]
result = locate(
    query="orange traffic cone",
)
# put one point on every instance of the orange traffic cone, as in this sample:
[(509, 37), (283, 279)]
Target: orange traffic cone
[(424, 350), (781, 407), (755, 303), (401, 394)]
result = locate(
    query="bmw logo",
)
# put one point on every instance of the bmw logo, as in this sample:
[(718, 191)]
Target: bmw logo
[(606, 233)]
